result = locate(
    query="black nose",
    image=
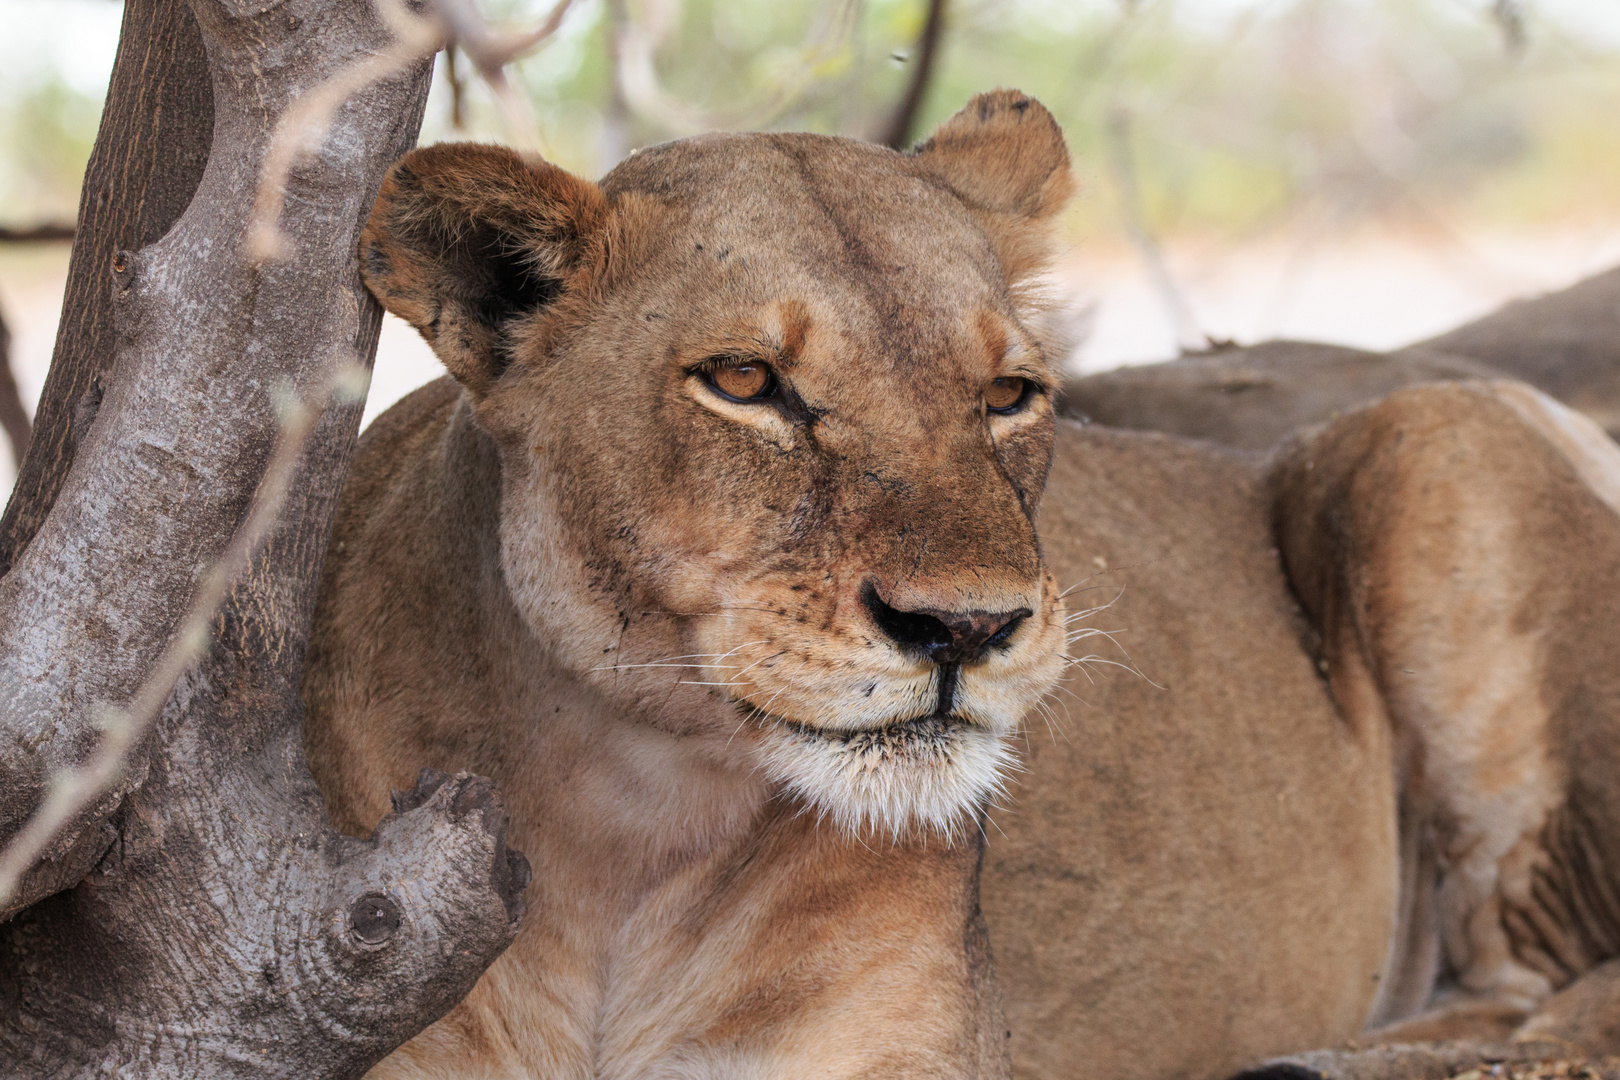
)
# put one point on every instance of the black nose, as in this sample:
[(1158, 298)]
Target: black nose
[(944, 636)]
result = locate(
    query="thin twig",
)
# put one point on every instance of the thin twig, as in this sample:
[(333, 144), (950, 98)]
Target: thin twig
[(489, 50), (13, 416), (72, 791), (458, 89), (303, 127)]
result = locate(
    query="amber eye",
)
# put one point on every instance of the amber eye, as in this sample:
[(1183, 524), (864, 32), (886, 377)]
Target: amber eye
[(1006, 394), (745, 382)]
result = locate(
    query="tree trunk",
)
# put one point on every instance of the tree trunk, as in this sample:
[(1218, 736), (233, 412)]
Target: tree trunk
[(224, 929), (900, 131), (149, 156)]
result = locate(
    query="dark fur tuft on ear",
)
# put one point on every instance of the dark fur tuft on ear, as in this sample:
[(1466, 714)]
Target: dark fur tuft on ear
[(468, 242), (1004, 156)]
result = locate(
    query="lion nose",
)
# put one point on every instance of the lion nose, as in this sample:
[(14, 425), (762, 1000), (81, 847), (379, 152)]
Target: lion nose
[(942, 635)]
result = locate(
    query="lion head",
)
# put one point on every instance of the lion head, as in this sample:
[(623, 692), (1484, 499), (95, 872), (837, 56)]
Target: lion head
[(773, 428)]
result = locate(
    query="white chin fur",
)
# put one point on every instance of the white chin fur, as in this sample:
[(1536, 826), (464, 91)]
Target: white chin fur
[(928, 775)]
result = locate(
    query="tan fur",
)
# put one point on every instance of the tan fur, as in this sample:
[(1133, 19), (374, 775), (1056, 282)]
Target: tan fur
[(638, 606)]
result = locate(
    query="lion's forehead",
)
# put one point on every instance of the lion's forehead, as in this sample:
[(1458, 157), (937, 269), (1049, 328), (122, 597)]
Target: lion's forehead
[(753, 215)]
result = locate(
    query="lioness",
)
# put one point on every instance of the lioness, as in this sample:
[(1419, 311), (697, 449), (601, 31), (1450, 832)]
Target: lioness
[(1566, 344), (737, 551)]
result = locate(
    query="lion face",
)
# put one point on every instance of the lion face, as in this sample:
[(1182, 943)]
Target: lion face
[(773, 433)]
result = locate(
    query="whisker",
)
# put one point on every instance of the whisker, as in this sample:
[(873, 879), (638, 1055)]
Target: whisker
[(762, 660), (1084, 662), (1077, 585), (664, 662), (1064, 687), (739, 648), (689, 614), (655, 663)]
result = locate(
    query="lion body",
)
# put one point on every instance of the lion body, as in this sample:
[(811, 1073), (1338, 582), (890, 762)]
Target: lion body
[(1321, 788), (1232, 834)]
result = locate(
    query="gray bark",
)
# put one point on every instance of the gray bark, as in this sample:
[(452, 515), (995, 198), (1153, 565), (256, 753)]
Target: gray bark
[(223, 928)]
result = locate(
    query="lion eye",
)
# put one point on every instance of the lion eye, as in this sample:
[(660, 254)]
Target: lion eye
[(744, 382), (1005, 394)]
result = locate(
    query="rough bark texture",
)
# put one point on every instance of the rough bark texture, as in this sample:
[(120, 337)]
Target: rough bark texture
[(149, 156), (224, 928)]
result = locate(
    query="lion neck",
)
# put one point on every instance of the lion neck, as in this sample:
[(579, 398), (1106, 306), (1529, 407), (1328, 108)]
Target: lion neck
[(606, 800), (616, 814), (662, 793)]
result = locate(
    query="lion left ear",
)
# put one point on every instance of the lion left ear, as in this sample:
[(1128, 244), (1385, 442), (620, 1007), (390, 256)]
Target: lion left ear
[(470, 243), (1004, 156)]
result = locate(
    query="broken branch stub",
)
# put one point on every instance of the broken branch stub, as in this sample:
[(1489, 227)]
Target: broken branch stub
[(224, 929)]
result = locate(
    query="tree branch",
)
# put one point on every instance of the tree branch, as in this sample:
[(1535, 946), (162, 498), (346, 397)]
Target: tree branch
[(899, 131), (49, 232), (13, 415), (148, 158), (70, 757), (73, 791)]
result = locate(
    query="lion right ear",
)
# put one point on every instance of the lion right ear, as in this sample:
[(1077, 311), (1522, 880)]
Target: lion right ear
[(468, 243), (1004, 156)]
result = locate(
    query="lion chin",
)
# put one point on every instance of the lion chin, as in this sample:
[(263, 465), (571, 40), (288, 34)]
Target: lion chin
[(922, 770), (929, 774)]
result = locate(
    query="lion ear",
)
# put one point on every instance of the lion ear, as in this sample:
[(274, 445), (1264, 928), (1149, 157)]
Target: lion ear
[(1004, 156), (468, 242)]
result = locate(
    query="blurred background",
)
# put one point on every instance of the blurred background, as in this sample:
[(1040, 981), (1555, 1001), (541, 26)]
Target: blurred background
[(1365, 172)]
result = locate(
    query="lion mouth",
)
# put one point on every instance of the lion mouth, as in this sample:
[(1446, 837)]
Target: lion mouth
[(918, 734), (932, 772)]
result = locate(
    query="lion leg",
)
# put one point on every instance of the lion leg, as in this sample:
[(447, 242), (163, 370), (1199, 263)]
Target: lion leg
[(1457, 548)]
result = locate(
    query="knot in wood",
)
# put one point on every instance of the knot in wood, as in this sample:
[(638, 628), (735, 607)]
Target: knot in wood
[(123, 265), (373, 919)]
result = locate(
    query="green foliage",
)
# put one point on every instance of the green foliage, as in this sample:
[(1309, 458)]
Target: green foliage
[(1219, 118), (45, 139)]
